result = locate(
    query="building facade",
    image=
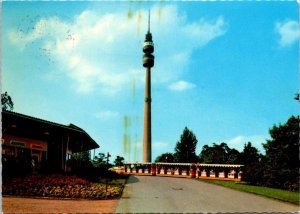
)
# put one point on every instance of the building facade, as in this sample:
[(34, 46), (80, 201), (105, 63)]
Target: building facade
[(40, 144)]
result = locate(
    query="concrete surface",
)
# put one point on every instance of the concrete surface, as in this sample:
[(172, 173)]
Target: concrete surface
[(150, 194)]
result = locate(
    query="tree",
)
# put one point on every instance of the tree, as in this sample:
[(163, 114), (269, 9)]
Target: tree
[(82, 156), (119, 161), (213, 154), (234, 157), (185, 150), (99, 160), (165, 157), (81, 161), (250, 154), (297, 97), (282, 156), (219, 154), (6, 101), (253, 169)]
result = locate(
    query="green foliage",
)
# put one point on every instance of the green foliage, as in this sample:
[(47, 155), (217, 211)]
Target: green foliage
[(297, 97), (250, 154), (282, 156), (283, 195), (279, 167), (6, 101), (119, 161), (99, 160), (253, 170), (220, 154), (83, 156), (80, 160), (165, 157), (185, 150), (92, 170), (234, 157)]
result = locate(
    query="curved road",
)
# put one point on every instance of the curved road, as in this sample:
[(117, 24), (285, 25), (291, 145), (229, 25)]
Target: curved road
[(149, 194)]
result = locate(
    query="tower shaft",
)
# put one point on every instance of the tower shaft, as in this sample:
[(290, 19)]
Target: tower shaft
[(147, 118), (148, 63)]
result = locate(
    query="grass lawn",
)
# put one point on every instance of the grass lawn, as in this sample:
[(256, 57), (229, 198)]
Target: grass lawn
[(279, 194)]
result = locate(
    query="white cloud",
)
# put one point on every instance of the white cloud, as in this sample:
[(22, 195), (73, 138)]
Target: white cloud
[(103, 52), (107, 114), (288, 32), (159, 145), (181, 86), (239, 142)]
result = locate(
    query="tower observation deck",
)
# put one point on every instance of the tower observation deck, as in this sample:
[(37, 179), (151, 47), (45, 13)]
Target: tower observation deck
[(148, 63)]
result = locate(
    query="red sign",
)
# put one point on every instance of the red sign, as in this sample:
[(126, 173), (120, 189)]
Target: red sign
[(35, 146)]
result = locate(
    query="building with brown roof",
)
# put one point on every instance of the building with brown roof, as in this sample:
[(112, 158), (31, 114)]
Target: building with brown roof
[(41, 143)]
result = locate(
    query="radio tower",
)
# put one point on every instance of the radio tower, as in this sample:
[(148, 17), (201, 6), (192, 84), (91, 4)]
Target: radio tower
[(148, 63)]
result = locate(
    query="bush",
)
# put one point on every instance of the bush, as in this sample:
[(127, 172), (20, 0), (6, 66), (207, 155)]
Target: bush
[(94, 174), (253, 174)]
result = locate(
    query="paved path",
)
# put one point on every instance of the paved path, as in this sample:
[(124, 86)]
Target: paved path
[(29, 205), (148, 194)]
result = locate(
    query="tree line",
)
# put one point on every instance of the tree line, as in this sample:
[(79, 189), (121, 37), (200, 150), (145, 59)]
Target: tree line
[(278, 167)]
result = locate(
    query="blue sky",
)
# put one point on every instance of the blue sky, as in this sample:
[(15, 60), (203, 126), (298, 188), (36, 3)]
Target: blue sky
[(226, 70)]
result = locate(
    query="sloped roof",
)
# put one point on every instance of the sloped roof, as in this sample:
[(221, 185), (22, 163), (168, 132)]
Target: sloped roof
[(21, 124)]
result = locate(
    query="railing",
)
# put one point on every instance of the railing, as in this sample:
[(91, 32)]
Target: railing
[(201, 171)]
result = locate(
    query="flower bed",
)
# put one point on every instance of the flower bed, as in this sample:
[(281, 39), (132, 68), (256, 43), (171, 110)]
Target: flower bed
[(60, 187)]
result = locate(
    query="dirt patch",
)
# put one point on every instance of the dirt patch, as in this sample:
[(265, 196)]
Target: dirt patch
[(28, 205)]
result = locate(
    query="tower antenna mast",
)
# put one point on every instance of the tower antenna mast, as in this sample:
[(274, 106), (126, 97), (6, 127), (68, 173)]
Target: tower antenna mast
[(149, 22)]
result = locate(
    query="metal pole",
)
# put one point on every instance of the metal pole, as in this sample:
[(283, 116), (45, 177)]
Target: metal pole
[(107, 159)]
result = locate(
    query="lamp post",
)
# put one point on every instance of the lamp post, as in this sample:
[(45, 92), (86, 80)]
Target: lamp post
[(107, 159)]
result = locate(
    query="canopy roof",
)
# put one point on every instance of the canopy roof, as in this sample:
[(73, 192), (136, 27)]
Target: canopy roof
[(188, 164), (30, 127)]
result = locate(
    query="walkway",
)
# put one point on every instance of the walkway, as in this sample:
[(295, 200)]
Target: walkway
[(147, 194), (28, 205)]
